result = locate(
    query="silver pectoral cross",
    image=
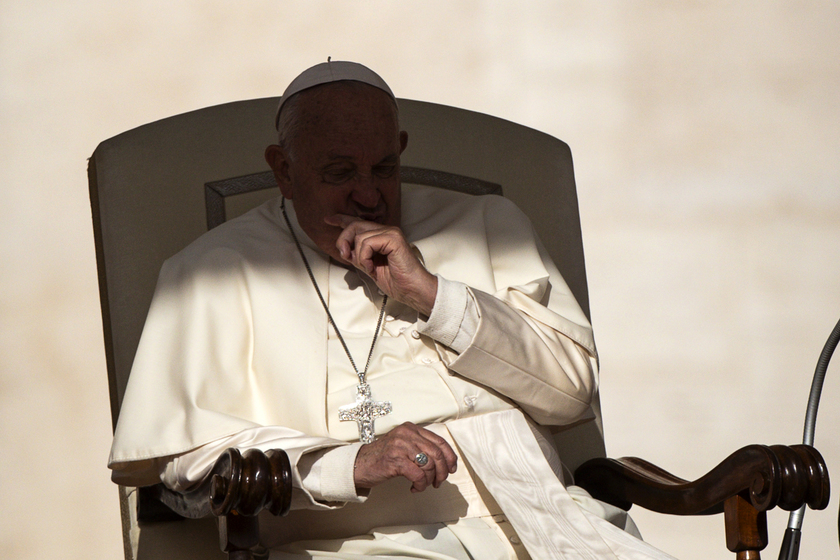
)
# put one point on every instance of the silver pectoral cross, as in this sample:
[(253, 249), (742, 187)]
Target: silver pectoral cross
[(364, 412)]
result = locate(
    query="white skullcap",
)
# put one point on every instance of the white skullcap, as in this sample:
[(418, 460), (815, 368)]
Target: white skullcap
[(328, 72)]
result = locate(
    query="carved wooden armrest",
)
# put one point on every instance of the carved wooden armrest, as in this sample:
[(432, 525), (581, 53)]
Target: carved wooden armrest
[(744, 486), (237, 489)]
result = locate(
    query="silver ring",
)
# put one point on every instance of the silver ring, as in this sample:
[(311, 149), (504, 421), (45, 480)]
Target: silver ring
[(421, 459)]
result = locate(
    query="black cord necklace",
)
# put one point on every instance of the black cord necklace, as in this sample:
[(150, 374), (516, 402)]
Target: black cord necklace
[(365, 410)]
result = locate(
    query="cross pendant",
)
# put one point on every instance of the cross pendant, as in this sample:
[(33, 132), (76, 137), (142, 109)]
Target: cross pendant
[(364, 412)]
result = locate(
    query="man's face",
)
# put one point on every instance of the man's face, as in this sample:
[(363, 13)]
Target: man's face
[(345, 159)]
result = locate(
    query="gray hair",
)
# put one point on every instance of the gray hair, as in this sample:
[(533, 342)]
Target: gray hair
[(289, 123), (291, 119)]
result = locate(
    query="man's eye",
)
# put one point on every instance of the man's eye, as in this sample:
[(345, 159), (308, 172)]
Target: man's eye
[(337, 175), (384, 171)]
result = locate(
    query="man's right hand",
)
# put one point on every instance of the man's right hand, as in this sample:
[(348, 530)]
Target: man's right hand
[(393, 455), (384, 254)]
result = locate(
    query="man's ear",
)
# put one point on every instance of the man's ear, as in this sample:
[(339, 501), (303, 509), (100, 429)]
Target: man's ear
[(403, 140), (278, 161)]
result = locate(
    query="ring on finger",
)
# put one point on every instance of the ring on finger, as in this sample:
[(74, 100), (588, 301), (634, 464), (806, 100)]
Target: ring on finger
[(421, 459)]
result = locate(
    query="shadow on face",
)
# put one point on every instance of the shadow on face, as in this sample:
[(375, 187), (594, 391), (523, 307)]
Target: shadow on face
[(340, 154)]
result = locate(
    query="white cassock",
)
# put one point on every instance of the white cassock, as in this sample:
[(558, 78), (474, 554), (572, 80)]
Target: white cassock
[(237, 351)]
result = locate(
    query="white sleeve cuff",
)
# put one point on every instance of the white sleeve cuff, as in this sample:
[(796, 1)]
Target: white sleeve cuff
[(454, 316), (328, 475)]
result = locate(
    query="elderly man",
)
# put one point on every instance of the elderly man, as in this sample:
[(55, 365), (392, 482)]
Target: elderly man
[(407, 347)]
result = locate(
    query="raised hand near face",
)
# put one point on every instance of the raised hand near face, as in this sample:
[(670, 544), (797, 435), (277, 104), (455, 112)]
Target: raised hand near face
[(383, 253)]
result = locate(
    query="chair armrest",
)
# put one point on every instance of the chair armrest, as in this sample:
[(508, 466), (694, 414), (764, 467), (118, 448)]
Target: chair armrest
[(237, 489), (744, 486), (242, 483), (787, 476)]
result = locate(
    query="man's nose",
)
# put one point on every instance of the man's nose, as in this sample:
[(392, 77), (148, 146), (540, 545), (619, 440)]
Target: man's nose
[(365, 192)]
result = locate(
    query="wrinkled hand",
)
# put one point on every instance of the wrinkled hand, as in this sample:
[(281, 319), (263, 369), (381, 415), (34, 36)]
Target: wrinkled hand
[(393, 454), (383, 253)]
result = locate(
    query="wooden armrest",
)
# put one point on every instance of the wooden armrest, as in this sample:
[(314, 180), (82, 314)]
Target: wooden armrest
[(744, 486), (237, 489)]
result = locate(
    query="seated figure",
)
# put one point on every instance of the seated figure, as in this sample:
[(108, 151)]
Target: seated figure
[(408, 347)]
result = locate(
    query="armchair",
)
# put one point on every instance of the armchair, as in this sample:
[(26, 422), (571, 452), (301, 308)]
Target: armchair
[(156, 188)]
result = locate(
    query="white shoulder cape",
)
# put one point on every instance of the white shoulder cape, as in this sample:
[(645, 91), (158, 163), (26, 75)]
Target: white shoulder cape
[(236, 337)]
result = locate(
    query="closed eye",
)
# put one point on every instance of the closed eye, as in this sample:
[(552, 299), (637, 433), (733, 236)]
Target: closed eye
[(338, 175), (385, 171)]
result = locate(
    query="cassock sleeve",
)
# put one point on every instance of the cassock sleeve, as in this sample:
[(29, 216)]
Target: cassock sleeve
[(519, 329), (551, 377), (489, 341), (322, 473)]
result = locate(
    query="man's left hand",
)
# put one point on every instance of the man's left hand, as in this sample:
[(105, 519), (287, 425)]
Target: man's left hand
[(383, 253)]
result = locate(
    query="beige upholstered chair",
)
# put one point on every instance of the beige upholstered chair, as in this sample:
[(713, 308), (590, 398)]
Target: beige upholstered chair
[(156, 188)]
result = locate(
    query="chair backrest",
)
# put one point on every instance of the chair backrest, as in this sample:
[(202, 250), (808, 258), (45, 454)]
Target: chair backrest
[(156, 188)]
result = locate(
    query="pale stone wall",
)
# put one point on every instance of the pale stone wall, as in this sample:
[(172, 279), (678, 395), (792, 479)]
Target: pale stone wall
[(705, 137)]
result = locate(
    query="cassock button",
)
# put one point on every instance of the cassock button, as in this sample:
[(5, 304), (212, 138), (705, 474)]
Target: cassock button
[(515, 540), (470, 401), (415, 335), (389, 318), (427, 361)]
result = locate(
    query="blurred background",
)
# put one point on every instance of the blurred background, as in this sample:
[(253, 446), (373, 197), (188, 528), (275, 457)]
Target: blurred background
[(705, 138)]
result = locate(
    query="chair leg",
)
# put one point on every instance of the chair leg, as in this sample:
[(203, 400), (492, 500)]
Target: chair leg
[(238, 535), (746, 528)]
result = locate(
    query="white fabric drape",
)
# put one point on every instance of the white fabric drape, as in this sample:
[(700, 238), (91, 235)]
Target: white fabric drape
[(502, 450)]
